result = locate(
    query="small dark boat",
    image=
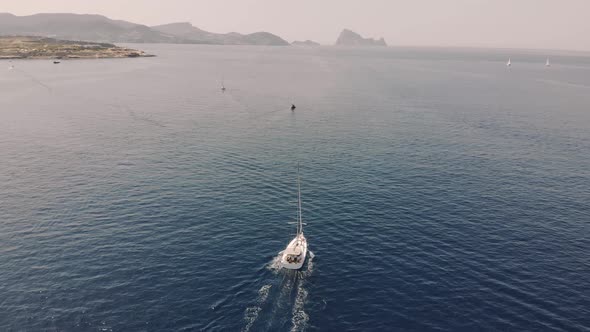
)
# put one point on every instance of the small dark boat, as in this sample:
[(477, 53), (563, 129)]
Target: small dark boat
[(56, 62), (293, 107)]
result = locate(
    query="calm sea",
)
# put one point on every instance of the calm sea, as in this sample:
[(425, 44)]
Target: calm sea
[(442, 190)]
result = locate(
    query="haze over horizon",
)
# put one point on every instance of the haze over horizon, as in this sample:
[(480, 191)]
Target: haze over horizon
[(540, 24)]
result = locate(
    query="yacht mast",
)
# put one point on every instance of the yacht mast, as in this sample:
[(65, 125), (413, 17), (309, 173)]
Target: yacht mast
[(300, 221)]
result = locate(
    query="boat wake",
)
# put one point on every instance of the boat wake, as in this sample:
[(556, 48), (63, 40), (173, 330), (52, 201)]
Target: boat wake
[(251, 313), (280, 304), (299, 317), (32, 78), (275, 263)]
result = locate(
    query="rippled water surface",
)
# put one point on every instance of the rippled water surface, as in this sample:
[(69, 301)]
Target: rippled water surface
[(443, 191)]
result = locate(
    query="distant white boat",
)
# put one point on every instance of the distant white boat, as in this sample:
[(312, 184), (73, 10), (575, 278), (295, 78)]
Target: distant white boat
[(294, 255), (547, 64), (509, 63)]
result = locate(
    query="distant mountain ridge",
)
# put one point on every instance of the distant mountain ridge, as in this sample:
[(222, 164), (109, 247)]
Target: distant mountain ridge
[(188, 32), (99, 28), (351, 38), (80, 27), (307, 43)]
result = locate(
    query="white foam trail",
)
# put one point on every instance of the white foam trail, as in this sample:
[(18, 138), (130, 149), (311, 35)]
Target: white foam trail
[(291, 283), (251, 313), (299, 317), (288, 282), (275, 263)]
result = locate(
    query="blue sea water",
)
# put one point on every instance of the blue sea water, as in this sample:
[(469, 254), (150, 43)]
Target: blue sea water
[(442, 191)]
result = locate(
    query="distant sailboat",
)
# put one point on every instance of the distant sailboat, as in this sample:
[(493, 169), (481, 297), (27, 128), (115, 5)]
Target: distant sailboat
[(509, 63), (294, 255), (547, 64)]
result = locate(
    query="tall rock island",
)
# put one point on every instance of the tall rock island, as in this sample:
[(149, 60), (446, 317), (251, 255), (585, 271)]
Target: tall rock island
[(351, 38)]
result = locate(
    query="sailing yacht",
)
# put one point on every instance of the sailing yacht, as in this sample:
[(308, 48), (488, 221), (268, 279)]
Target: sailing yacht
[(509, 63), (547, 64), (294, 255)]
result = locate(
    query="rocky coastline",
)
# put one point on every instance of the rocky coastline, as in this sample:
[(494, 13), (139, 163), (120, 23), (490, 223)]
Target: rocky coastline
[(33, 47)]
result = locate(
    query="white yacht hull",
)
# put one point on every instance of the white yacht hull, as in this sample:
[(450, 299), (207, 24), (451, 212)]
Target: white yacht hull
[(300, 243)]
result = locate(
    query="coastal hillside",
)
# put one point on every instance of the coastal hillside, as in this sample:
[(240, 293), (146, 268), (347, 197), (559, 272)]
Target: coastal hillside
[(98, 28), (31, 47), (190, 34)]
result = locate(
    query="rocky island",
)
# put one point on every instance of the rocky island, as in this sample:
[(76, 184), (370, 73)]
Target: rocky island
[(351, 38), (31, 47), (305, 43)]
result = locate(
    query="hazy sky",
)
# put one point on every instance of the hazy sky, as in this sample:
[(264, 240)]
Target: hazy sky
[(561, 24)]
